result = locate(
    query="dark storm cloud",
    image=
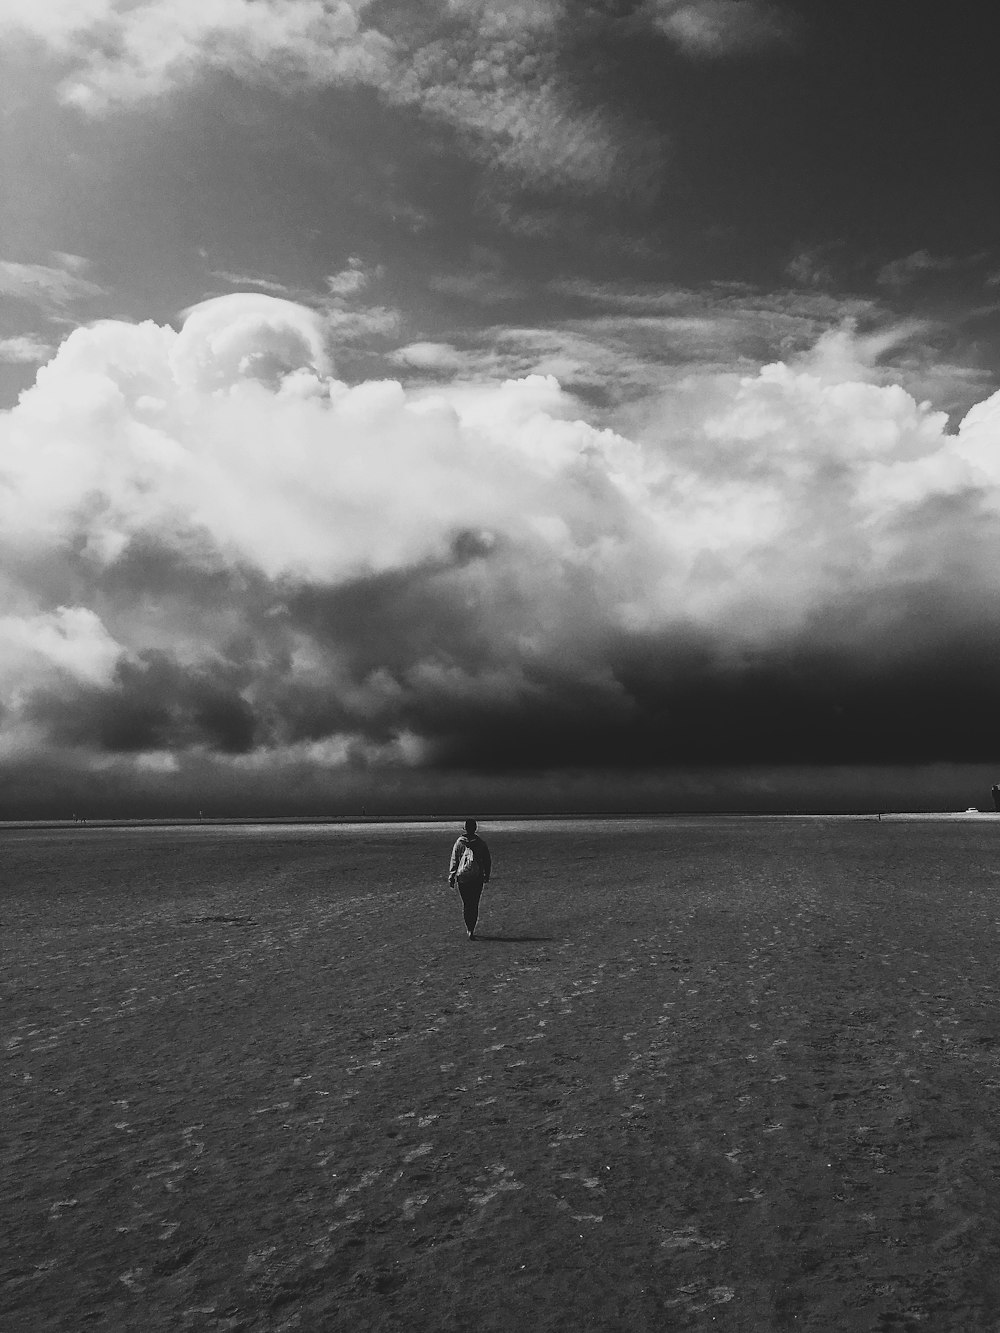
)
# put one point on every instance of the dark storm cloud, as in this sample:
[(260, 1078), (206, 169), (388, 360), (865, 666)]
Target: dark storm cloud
[(647, 701), (835, 693), (153, 703), (686, 704), (904, 676)]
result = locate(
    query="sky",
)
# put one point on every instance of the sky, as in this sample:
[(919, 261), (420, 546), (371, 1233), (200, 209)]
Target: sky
[(491, 405)]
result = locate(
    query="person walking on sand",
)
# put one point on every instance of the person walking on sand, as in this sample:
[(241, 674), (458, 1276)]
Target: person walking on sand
[(469, 872)]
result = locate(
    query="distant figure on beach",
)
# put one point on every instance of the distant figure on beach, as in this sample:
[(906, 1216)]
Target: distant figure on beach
[(469, 871), (996, 797)]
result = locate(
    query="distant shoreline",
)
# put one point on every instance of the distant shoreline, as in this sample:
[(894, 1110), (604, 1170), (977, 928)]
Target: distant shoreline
[(315, 821)]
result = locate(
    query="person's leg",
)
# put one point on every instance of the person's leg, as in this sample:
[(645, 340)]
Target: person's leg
[(471, 894)]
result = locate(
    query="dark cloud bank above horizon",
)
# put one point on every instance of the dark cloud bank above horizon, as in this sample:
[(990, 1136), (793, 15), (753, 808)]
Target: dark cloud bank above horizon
[(234, 580)]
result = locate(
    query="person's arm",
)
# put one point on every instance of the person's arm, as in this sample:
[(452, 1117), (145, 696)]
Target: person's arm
[(487, 864), (453, 864)]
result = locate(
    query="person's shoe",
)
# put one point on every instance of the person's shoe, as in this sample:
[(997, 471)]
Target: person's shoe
[(472, 934)]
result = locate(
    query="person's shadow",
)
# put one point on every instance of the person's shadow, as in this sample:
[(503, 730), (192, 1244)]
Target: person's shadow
[(515, 939)]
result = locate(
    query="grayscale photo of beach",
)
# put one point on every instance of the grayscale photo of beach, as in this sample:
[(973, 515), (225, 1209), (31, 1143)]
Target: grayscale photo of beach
[(499, 641)]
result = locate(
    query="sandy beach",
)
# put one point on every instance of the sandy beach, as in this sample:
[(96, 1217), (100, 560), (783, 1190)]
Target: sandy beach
[(739, 1074)]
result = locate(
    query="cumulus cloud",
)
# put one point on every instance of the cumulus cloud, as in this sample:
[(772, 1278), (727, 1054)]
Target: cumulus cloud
[(340, 320), (217, 553), (246, 336)]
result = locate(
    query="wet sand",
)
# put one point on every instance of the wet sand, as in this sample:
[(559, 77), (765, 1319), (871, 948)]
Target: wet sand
[(733, 1074)]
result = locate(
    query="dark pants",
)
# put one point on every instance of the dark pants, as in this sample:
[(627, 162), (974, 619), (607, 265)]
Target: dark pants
[(471, 894)]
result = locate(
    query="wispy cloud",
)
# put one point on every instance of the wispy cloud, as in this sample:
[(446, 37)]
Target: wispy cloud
[(263, 282), (24, 349), (490, 71), (482, 284), (725, 324), (351, 320), (620, 345), (899, 273), (357, 324), (616, 344), (720, 28), (436, 357), (50, 286), (812, 265), (353, 279)]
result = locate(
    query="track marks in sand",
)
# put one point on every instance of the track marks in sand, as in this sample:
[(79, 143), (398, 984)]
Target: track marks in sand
[(718, 1061)]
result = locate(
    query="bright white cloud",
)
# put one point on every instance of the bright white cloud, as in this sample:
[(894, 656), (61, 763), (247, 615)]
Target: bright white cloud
[(124, 52), (60, 23), (46, 649), (247, 336), (979, 443)]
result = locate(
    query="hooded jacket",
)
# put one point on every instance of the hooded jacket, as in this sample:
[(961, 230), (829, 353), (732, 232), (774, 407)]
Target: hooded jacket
[(479, 850)]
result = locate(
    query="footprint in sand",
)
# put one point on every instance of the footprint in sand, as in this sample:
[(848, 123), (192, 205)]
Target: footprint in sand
[(501, 1180), (588, 1182), (695, 1299), (688, 1238), (421, 1151), (366, 1179)]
